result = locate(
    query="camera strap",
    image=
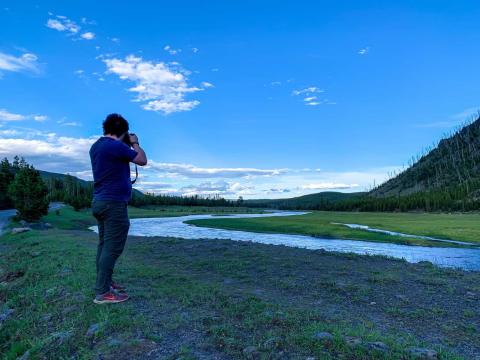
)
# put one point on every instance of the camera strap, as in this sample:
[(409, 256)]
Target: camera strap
[(136, 175)]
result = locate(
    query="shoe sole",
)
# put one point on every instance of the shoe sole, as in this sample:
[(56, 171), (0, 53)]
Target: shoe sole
[(109, 301)]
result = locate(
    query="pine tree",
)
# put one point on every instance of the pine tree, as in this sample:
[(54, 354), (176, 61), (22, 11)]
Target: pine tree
[(29, 193), (6, 177)]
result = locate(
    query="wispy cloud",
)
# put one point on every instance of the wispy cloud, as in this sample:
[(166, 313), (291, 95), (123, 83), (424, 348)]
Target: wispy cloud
[(88, 35), (63, 24), (191, 171), (65, 122), (159, 86), (171, 50), (454, 120), (364, 51), (328, 186), (6, 115), (467, 114), (26, 62), (311, 96), (308, 90)]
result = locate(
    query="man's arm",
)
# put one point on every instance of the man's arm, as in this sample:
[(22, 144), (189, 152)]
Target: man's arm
[(141, 158)]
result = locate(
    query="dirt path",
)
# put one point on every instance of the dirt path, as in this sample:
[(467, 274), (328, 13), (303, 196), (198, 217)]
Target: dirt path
[(5, 215)]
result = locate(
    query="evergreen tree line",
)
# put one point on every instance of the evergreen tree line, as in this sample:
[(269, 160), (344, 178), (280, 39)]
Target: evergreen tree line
[(454, 198), (78, 193)]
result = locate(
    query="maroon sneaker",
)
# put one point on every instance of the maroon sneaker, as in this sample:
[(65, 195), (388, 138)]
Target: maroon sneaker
[(117, 287), (110, 297)]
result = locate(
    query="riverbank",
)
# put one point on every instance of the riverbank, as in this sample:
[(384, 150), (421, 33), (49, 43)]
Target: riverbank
[(219, 299), (326, 224)]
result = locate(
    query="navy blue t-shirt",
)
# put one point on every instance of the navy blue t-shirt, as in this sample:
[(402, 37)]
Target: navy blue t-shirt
[(111, 170)]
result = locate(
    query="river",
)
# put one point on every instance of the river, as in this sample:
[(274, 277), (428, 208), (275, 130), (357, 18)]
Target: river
[(464, 258)]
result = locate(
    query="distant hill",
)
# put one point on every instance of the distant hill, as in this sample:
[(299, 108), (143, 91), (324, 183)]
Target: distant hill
[(311, 201), (454, 161), (51, 175)]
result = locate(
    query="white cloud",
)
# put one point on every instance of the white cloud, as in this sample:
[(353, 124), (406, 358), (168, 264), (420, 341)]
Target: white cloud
[(8, 116), (64, 122), (328, 186), (159, 86), (171, 51), (222, 188), (5, 115), (62, 23), (49, 151), (71, 28), (191, 171), (88, 35), (40, 117), (467, 114), (311, 96), (364, 51), (308, 90), (457, 119), (206, 84), (194, 50), (24, 62)]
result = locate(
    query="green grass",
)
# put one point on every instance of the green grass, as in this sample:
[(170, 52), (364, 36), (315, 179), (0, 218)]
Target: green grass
[(206, 298), (71, 219), (462, 227)]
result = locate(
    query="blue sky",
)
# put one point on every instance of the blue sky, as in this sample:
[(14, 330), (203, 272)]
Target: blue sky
[(261, 99)]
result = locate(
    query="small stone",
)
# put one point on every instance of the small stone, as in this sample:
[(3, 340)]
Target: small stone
[(65, 271), (352, 341), (69, 309), (62, 336), (46, 317), (373, 303), (272, 343), (93, 330), (423, 353), (377, 345), (35, 254), (114, 342), (25, 356), (471, 295), (5, 315), (323, 336), (20, 230), (250, 352)]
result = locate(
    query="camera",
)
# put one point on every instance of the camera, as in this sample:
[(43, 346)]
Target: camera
[(126, 139)]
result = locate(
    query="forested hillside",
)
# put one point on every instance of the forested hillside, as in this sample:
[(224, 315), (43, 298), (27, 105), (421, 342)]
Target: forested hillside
[(455, 161), (445, 178)]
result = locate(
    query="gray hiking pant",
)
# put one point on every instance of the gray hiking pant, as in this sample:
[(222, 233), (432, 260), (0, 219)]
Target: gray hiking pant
[(113, 225)]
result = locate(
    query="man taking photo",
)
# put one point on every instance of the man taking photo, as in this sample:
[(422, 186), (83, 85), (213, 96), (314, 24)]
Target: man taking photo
[(111, 156)]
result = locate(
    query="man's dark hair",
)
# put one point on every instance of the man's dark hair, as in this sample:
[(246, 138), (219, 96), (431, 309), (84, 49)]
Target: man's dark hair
[(115, 124)]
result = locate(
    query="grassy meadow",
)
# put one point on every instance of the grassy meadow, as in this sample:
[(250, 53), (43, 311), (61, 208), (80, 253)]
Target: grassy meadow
[(455, 226), (220, 299)]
